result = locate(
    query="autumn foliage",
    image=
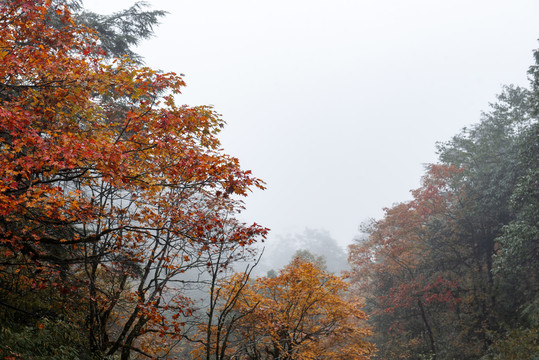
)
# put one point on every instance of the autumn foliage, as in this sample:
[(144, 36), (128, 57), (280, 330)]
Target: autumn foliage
[(109, 190), (450, 274), (303, 313), (116, 203)]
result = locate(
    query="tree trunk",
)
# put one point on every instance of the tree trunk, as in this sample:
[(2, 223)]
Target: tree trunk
[(429, 330)]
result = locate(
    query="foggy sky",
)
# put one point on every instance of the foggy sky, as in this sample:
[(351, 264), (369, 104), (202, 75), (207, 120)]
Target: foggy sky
[(338, 104)]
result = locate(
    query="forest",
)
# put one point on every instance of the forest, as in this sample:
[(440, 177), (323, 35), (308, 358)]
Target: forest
[(121, 238)]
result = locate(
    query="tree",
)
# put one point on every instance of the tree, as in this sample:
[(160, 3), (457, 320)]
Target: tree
[(109, 191), (215, 336), (307, 256), (403, 270), (318, 242), (303, 313), (463, 250), (499, 156), (119, 32)]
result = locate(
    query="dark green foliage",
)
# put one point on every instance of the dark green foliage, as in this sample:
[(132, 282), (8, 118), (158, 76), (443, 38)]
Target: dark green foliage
[(518, 255), (44, 340), (534, 80), (494, 174), (120, 32)]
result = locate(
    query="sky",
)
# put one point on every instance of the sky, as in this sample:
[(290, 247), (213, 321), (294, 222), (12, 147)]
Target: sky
[(338, 105)]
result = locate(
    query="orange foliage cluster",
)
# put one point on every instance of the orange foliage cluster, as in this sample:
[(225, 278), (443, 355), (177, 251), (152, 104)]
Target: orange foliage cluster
[(107, 186), (304, 313)]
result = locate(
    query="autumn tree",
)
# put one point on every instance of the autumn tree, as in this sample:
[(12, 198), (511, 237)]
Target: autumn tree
[(109, 191), (303, 313), (449, 274), (403, 270), (215, 328)]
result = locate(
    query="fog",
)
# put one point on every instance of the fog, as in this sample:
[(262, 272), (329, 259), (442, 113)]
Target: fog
[(280, 251), (338, 104)]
